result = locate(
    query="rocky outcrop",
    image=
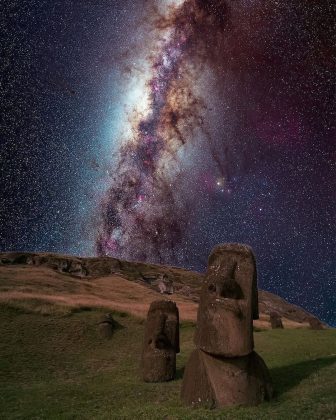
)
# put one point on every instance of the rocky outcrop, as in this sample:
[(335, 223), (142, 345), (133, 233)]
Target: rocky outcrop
[(180, 281), (315, 324), (219, 382), (62, 264)]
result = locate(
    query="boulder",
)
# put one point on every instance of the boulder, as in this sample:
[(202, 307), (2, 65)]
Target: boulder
[(161, 342), (216, 382)]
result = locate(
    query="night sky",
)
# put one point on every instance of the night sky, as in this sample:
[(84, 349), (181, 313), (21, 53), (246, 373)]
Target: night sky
[(154, 130)]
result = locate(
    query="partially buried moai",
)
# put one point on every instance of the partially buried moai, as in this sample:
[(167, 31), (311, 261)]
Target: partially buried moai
[(224, 370), (161, 342), (275, 320)]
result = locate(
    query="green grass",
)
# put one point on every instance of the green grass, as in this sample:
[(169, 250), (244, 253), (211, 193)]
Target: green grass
[(55, 366)]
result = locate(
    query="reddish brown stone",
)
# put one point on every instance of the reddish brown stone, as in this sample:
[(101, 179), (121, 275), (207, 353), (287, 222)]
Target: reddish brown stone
[(228, 303), (275, 320), (106, 326), (217, 382), (161, 342)]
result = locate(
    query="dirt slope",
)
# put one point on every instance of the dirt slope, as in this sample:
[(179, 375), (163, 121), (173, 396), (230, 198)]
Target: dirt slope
[(35, 279)]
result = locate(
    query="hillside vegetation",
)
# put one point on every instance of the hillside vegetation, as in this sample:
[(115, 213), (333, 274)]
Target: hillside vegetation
[(37, 280), (55, 365)]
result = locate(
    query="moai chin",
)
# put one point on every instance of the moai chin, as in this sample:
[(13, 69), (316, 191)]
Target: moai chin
[(224, 370), (228, 303), (161, 342)]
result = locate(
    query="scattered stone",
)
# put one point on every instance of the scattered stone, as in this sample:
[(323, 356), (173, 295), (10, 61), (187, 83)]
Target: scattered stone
[(30, 260), (62, 266), (149, 278), (224, 370), (161, 342), (275, 320)]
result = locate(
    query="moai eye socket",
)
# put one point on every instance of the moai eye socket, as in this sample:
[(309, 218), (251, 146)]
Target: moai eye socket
[(212, 288), (162, 342)]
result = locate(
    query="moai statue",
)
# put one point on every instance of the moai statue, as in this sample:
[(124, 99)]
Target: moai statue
[(162, 342), (224, 370), (106, 326), (275, 320)]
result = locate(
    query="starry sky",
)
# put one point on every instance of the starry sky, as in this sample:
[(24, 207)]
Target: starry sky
[(154, 130)]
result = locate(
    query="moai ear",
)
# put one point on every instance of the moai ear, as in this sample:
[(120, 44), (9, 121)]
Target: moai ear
[(255, 301)]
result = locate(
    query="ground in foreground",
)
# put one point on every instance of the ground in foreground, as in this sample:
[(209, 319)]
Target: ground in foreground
[(56, 366)]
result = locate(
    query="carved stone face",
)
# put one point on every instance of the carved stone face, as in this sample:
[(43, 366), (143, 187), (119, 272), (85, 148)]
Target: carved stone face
[(161, 342), (162, 328), (229, 302)]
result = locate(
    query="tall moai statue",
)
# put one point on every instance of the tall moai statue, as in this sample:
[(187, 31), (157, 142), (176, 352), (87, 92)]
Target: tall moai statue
[(224, 370), (161, 343)]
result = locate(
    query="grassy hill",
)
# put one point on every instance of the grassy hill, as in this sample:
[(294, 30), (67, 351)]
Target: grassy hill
[(55, 365), (37, 280)]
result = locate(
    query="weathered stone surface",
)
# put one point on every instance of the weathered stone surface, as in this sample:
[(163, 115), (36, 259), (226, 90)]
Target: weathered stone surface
[(228, 303), (224, 370), (164, 284), (159, 365), (76, 269), (217, 382), (275, 320), (161, 342)]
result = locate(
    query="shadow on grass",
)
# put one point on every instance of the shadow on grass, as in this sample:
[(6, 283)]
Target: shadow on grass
[(179, 373), (288, 377)]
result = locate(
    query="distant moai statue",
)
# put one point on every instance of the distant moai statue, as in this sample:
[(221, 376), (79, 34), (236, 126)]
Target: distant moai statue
[(106, 326), (161, 343), (224, 370), (165, 285), (275, 320)]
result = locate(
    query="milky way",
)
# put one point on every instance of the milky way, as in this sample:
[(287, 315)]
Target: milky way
[(143, 215)]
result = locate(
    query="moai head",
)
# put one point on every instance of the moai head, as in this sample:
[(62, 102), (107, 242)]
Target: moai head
[(161, 342), (162, 327), (228, 303), (275, 320)]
